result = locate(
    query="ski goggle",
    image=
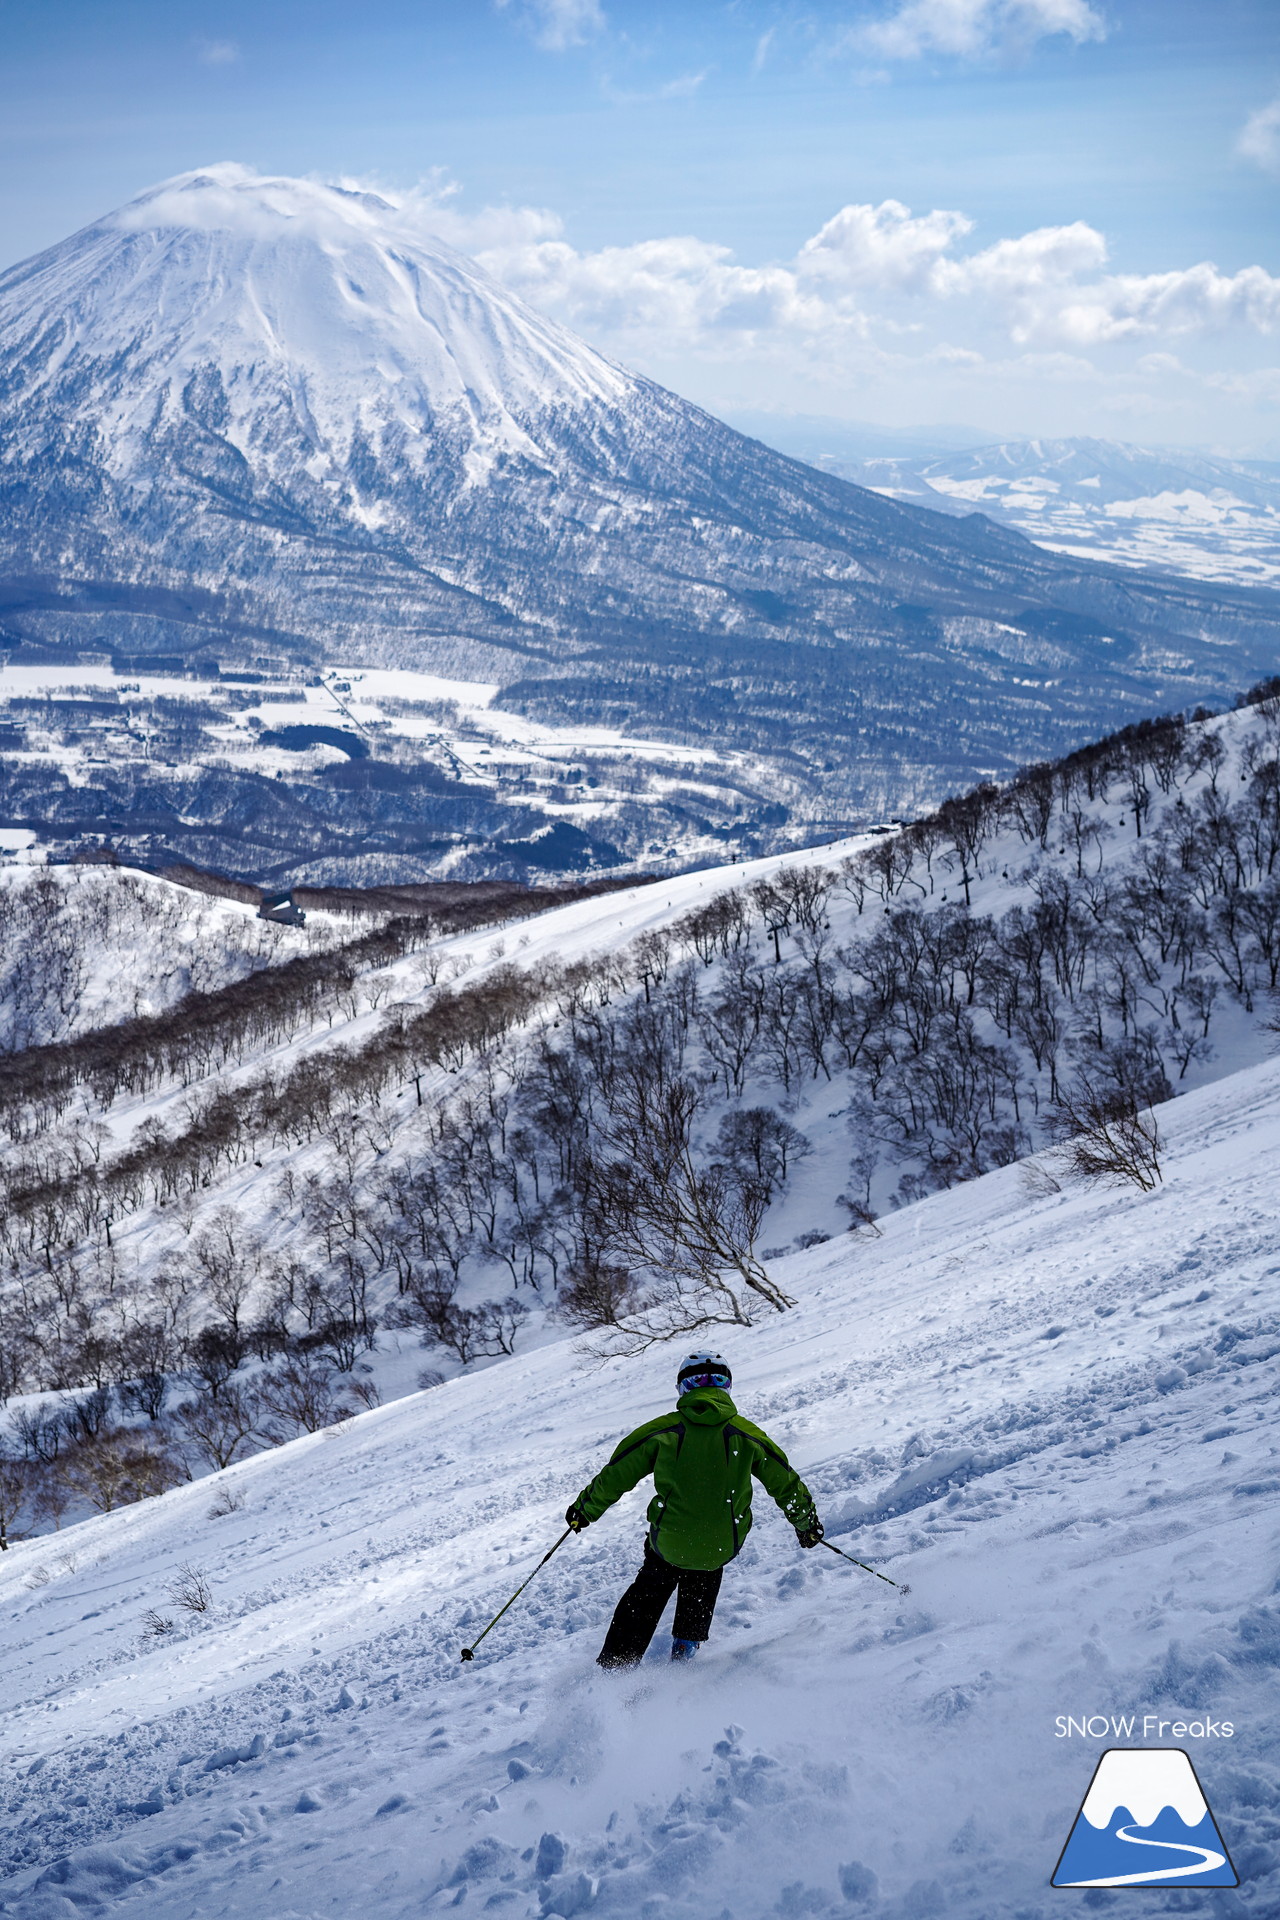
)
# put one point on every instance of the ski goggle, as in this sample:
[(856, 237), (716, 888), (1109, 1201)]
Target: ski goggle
[(690, 1382)]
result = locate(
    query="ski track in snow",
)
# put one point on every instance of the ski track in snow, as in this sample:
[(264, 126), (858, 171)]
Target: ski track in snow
[(1087, 1518)]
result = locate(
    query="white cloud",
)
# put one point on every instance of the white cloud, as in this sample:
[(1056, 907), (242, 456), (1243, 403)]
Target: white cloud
[(1259, 138), (683, 87), (1034, 265), (946, 355), (1131, 407), (678, 290), (1155, 366), (492, 233), (217, 53), (868, 268), (882, 308), (558, 24), (882, 247), (1189, 300), (975, 29), (1259, 387), (887, 309)]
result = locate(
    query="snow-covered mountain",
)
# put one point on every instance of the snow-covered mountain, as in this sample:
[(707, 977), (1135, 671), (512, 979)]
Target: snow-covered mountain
[(300, 329), (1161, 510), (231, 363), (276, 422)]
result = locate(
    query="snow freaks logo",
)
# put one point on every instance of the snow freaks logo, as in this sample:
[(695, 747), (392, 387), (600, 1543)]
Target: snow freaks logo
[(1144, 1823), (1122, 1726)]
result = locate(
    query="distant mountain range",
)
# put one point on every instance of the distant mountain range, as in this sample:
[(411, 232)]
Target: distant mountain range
[(1162, 509), (267, 424)]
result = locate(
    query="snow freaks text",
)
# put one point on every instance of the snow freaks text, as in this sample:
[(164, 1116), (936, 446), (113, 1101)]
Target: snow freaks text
[(1146, 1726)]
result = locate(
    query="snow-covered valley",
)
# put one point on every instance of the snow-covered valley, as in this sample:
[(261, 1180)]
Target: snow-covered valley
[(1052, 1414), (376, 777)]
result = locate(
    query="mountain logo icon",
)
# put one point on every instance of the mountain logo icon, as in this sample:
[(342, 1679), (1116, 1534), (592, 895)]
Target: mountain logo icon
[(1144, 1823)]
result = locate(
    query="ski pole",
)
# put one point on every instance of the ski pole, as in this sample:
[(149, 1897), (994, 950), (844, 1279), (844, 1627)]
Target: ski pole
[(468, 1653), (865, 1568)]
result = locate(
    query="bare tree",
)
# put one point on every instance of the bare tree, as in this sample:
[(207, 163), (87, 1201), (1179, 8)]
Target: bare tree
[(596, 1293), (761, 1147), (228, 1499), (190, 1590), (857, 1201), (651, 957), (471, 1333), (214, 1355), (966, 823), (118, 1467), (299, 1394), (148, 1352), (692, 1229), (86, 1417), (221, 1428), (806, 891), (17, 1488), (41, 1432), (16, 1344), (775, 909), (1029, 800), (226, 1254), (51, 1496), (1105, 1134)]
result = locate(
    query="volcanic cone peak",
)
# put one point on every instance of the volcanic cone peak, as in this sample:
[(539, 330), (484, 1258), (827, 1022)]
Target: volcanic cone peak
[(283, 313)]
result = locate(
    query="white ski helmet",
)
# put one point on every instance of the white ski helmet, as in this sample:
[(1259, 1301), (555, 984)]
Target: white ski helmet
[(703, 1370)]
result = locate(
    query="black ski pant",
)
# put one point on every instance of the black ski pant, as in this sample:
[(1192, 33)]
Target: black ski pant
[(638, 1612)]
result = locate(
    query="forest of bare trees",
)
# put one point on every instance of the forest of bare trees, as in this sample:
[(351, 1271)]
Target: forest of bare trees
[(605, 1138)]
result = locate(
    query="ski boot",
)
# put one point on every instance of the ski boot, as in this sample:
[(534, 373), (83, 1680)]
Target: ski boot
[(683, 1649)]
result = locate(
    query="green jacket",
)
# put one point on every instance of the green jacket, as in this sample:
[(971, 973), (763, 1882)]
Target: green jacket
[(702, 1457)]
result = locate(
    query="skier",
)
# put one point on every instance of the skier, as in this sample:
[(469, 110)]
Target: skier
[(702, 1457)]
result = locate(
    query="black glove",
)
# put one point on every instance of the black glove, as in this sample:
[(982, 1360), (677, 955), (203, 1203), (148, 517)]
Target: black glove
[(575, 1519), (810, 1536)]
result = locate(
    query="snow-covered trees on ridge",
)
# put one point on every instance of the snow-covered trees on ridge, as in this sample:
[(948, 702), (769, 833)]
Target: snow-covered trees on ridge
[(613, 1135)]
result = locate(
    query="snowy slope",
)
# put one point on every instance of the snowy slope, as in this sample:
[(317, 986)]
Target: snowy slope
[(1051, 1413), (84, 947), (1053, 1416), (861, 1135), (1008, 874)]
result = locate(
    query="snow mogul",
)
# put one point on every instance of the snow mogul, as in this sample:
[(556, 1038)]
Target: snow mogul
[(702, 1458)]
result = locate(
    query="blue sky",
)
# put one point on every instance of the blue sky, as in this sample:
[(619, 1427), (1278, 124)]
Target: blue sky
[(993, 212)]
